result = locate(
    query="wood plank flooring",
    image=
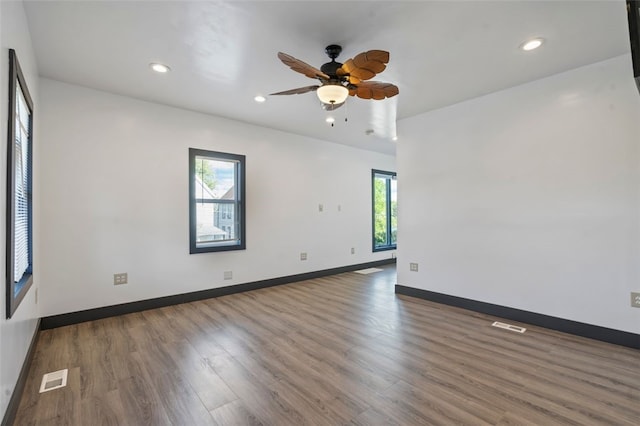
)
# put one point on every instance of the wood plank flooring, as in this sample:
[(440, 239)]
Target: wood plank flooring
[(337, 350)]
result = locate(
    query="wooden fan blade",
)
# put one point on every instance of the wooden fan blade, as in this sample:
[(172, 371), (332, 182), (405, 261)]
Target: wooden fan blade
[(349, 68), (301, 67), (363, 60), (376, 90), (378, 55), (298, 91), (346, 68), (365, 65)]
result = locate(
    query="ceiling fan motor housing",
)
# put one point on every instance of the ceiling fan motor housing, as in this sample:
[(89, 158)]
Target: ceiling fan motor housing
[(333, 50), (330, 68)]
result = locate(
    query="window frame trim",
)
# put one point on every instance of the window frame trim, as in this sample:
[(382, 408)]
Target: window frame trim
[(17, 80), (389, 246), (240, 193)]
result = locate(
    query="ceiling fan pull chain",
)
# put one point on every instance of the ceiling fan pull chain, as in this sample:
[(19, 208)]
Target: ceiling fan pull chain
[(346, 111)]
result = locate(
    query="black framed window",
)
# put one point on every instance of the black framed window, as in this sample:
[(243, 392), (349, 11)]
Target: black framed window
[(385, 209), (19, 184), (216, 201)]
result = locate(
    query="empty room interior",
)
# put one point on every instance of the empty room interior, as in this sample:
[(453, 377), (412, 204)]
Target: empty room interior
[(306, 212)]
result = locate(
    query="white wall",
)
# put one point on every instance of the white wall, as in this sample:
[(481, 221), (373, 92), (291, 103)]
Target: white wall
[(16, 333), (114, 175), (529, 197)]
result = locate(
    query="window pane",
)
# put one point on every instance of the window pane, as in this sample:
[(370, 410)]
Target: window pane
[(215, 179), (394, 210), (380, 211), (211, 226), (215, 223), (22, 111)]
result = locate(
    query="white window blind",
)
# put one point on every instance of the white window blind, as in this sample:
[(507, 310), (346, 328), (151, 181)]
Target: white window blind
[(21, 182)]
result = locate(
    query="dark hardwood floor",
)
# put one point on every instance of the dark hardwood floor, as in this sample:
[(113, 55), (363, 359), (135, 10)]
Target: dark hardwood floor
[(337, 350)]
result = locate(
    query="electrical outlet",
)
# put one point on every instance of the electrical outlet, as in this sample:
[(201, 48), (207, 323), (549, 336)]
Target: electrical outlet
[(36, 295), (635, 299), (413, 267), (320, 208), (228, 275), (303, 256), (119, 279), (353, 250), (339, 208), (393, 254)]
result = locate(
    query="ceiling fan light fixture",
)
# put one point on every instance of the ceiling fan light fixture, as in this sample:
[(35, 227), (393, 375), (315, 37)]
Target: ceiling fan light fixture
[(332, 94)]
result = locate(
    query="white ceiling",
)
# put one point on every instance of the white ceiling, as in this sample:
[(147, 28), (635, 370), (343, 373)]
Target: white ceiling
[(222, 54)]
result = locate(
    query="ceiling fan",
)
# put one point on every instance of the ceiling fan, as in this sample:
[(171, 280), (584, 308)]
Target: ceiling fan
[(338, 81)]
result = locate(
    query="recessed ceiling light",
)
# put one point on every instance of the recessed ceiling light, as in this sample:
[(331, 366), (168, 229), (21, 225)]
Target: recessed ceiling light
[(161, 68), (260, 99), (395, 138), (330, 120), (532, 44)]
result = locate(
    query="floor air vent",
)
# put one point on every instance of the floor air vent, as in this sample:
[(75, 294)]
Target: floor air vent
[(509, 327), (55, 380)]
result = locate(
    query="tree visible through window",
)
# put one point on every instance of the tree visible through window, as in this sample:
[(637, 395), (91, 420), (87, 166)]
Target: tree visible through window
[(385, 210), (19, 183), (216, 201)]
